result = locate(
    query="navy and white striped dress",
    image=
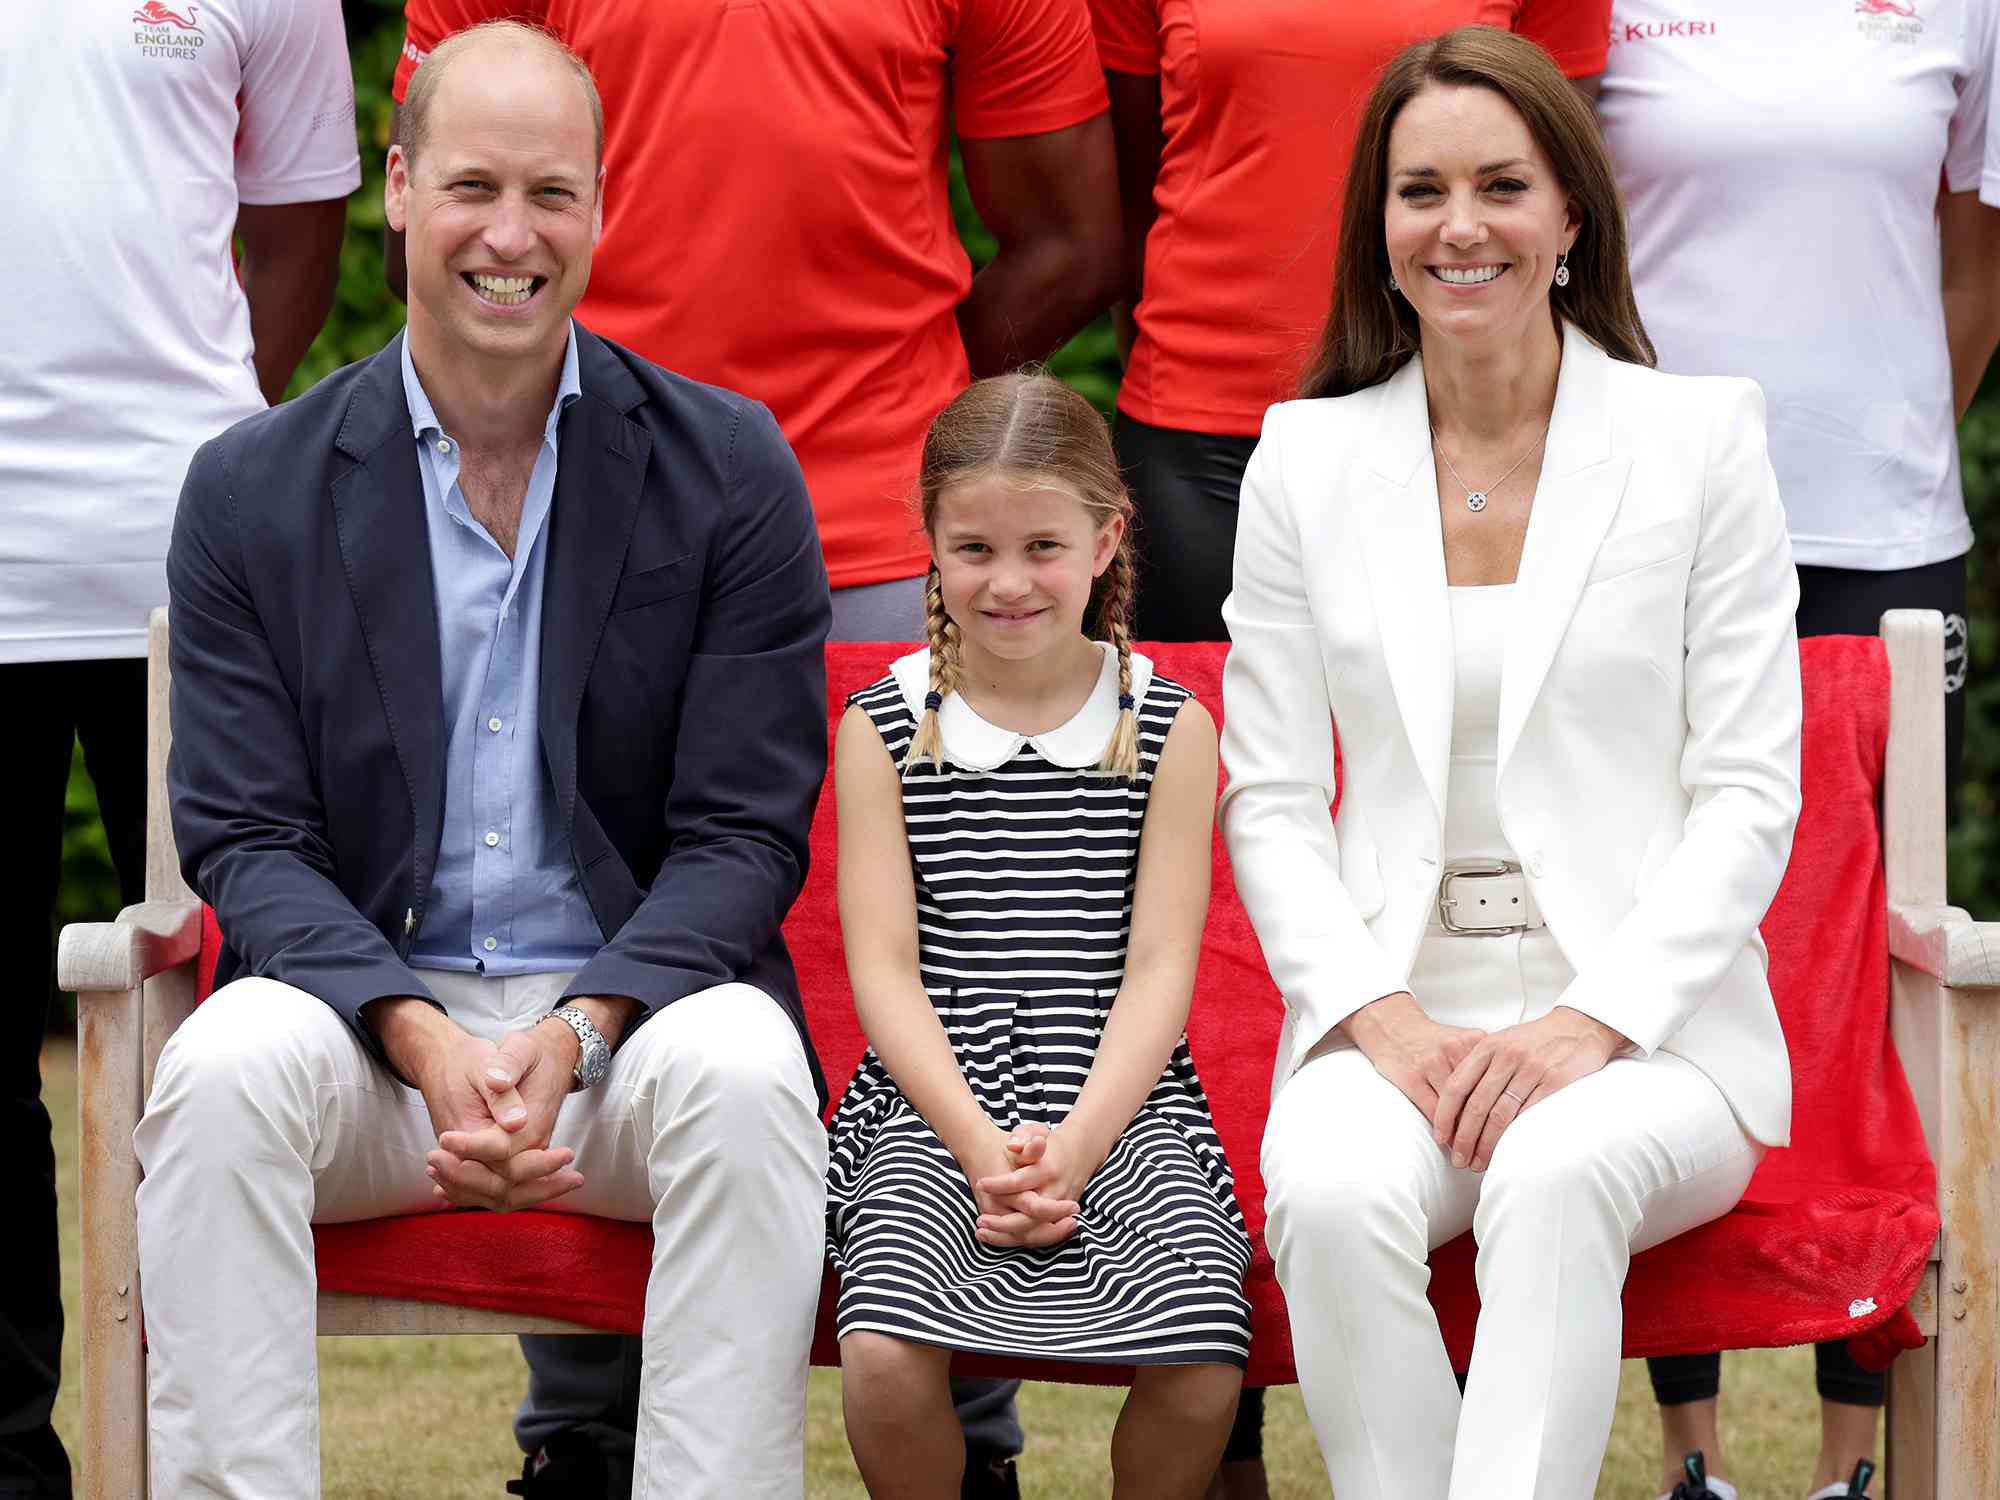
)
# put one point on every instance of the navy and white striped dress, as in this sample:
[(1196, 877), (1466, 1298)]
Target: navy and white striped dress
[(1025, 858)]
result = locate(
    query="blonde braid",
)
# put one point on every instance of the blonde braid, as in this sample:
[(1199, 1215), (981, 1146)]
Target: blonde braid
[(1121, 751), (941, 631)]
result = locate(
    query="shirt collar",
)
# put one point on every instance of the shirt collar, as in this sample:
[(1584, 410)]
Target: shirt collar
[(977, 745), (423, 417)]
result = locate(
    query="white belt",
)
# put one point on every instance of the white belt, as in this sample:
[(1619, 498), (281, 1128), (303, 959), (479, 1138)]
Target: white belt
[(1486, 898)]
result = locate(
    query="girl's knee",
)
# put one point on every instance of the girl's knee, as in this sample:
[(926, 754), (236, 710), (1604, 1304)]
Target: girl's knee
[(1193, 1397), (879, 1369)]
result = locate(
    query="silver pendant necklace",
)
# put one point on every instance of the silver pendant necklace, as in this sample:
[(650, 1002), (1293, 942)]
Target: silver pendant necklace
[(1475, 500)]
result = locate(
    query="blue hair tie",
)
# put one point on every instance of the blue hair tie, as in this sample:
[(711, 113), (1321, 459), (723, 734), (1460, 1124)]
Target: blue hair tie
[(1127, 702), (933, 701)]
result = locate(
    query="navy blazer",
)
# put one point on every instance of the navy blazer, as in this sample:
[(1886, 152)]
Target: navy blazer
[(683, 686)]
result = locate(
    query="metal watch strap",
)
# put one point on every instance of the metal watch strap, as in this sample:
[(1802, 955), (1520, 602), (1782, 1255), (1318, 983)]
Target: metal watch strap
[(594, 1060)]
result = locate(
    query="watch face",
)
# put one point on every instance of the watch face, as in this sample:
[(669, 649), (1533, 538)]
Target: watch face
[(593, 1064)]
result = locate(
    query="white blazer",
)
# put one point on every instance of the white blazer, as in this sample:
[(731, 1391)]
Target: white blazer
[(1648, 771)]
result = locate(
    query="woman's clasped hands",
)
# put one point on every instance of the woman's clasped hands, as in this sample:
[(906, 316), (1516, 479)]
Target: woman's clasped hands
[(1028, 1183), (1471, 1085)]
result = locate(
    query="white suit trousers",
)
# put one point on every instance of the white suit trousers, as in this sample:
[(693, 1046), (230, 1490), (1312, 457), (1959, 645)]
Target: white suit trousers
[(1358, 1193), (267, 1116)]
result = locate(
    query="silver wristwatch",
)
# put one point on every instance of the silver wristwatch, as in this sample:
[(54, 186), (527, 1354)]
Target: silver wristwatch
[(595, 1059)]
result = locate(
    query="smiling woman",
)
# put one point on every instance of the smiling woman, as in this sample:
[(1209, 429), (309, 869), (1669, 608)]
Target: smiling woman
[(1371, 330), (1519, 961)]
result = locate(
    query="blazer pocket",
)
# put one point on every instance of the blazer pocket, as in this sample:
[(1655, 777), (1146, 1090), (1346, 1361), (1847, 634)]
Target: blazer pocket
[(652, 585), (1641, 549)]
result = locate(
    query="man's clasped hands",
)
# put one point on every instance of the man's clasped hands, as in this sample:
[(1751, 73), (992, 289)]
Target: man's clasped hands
[(493, 1104)]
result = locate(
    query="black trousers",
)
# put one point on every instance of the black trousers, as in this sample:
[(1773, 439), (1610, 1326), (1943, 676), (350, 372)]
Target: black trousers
[(1186, 486), (1847, 601), (51, 705)]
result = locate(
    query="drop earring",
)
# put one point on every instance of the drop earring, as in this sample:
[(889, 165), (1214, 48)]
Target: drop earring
[(1392, 282), (1562, 268)]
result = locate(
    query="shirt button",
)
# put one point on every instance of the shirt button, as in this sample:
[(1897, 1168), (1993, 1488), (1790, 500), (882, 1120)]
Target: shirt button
[(490, 944), (492, 840), (493, 724), (444, 445)]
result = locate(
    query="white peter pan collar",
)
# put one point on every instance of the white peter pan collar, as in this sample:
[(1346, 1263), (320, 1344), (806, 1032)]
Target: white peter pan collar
[(978, 745)]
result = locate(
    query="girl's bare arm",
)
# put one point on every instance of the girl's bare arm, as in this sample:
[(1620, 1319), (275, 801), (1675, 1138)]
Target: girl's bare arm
[(878, 924), (1169, 907)]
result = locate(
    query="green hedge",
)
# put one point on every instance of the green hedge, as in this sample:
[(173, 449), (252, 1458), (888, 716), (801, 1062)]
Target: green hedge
[(365, 316)]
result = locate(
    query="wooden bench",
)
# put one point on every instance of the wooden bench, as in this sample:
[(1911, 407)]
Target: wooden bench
[(1934, 984)]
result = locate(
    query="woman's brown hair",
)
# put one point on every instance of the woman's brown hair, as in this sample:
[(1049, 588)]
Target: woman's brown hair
[(1030, 429), (1371, 331)]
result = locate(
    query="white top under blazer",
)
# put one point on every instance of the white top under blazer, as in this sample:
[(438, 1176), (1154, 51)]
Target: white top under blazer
[(1648, 749)]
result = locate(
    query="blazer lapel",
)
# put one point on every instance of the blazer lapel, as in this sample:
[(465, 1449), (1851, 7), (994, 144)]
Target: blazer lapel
[(378, 517), (1581, 486), (600, 475), (1403, 544)]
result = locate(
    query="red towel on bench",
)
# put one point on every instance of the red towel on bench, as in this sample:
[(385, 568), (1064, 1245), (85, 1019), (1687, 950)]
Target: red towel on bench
[(1829, 1242)]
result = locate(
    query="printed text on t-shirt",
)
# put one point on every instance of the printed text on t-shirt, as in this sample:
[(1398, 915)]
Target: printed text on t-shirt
[(1647, 31)]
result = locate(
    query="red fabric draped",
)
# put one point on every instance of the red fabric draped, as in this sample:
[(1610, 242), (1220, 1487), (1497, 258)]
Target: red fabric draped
[(1829, 1241)]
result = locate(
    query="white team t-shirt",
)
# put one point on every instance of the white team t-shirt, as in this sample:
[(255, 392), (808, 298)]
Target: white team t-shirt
[(1780, 162), (132, 130), (1989, 183)]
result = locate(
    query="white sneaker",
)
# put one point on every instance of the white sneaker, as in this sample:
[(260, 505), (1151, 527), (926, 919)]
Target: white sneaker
[(1855, 1488)]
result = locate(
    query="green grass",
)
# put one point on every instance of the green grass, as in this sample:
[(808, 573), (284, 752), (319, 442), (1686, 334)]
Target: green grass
[(428, 1417)]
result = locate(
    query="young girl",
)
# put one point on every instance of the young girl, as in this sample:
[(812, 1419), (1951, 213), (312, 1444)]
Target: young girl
[(1024, 1163)]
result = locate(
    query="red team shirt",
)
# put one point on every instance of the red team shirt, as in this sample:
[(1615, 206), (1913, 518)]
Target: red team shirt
[(776, 219), (1260, 99)]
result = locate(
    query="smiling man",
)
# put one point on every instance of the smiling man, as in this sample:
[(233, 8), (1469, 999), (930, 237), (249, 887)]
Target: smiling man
[(498, 724)]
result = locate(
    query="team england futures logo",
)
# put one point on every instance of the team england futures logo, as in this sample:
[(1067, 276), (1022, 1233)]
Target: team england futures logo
[(170, 35), (1889, 21)]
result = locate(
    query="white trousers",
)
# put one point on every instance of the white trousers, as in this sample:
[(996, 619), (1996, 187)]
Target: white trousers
[(267, 1116), (1358, 1194)]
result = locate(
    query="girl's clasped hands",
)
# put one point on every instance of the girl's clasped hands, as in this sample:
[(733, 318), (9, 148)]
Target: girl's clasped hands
[(1030, 1187)]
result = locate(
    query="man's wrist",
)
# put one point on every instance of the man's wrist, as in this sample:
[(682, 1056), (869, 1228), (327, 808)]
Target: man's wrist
[(412, 1030), (612, 1015), (561, 1041)]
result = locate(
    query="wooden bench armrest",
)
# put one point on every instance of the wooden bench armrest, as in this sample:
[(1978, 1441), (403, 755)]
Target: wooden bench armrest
[(146, 940), (1947, 944)]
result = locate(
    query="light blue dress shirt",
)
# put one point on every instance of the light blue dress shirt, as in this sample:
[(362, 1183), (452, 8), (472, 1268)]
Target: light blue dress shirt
[(506, 898)]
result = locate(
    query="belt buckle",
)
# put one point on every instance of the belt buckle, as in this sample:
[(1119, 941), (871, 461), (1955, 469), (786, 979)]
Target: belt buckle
[(1472, 869)]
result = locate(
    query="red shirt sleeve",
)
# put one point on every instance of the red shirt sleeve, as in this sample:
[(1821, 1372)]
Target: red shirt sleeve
[(1576, 33), (428, 22), (1024, 67), (1128, 35)]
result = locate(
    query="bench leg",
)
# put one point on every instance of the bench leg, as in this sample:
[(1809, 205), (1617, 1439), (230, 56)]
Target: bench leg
[(113, 1385), (1912, 1440), (1968, 1319)]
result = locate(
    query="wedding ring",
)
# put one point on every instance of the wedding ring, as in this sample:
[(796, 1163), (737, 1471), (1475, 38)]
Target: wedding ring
[(1510, 1094)]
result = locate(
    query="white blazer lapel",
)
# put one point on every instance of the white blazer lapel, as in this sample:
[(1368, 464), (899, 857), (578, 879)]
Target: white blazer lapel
[(1403, 542), (1581, 486)]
